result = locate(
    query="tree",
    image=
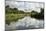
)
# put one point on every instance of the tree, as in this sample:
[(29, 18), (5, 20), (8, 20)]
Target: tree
[(15, 9), (38, 15), (7, 6)]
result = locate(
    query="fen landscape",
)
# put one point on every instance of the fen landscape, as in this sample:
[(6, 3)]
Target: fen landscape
[(16, 19), (15, 14)]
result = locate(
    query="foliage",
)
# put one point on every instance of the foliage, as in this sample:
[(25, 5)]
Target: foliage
[(38, 15), (13, 14)]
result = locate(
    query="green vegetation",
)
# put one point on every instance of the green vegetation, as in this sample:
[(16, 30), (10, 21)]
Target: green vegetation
[(13, 17), (38, 15), (13, 14)]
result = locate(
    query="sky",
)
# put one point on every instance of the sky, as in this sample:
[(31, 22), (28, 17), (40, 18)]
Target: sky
[(25, 5)]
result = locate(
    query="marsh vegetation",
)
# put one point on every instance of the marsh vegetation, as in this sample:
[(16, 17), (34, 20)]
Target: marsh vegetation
[(13, 14)]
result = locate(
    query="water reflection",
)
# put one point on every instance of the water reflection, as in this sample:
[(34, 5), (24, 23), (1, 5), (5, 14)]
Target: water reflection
[(26, 23)]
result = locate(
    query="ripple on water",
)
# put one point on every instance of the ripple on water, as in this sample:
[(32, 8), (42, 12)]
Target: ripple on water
[(26, 23)]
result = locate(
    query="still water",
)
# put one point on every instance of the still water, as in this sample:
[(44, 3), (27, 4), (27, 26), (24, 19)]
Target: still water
[(25, 23)]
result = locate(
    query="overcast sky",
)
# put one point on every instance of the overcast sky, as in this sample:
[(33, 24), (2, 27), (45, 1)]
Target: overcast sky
[(29, 6)]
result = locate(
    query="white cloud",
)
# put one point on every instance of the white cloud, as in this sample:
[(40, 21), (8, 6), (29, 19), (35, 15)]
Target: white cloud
[(29, 6)]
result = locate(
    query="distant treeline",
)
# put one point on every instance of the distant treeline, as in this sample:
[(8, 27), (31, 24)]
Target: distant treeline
[(12, 10), (33, 14), (13, 14)]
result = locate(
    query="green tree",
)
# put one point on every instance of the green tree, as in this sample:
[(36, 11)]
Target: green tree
[(15, 9), (7, 6)]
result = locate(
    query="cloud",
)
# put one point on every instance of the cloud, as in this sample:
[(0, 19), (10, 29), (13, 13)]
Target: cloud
[(25, 5)]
